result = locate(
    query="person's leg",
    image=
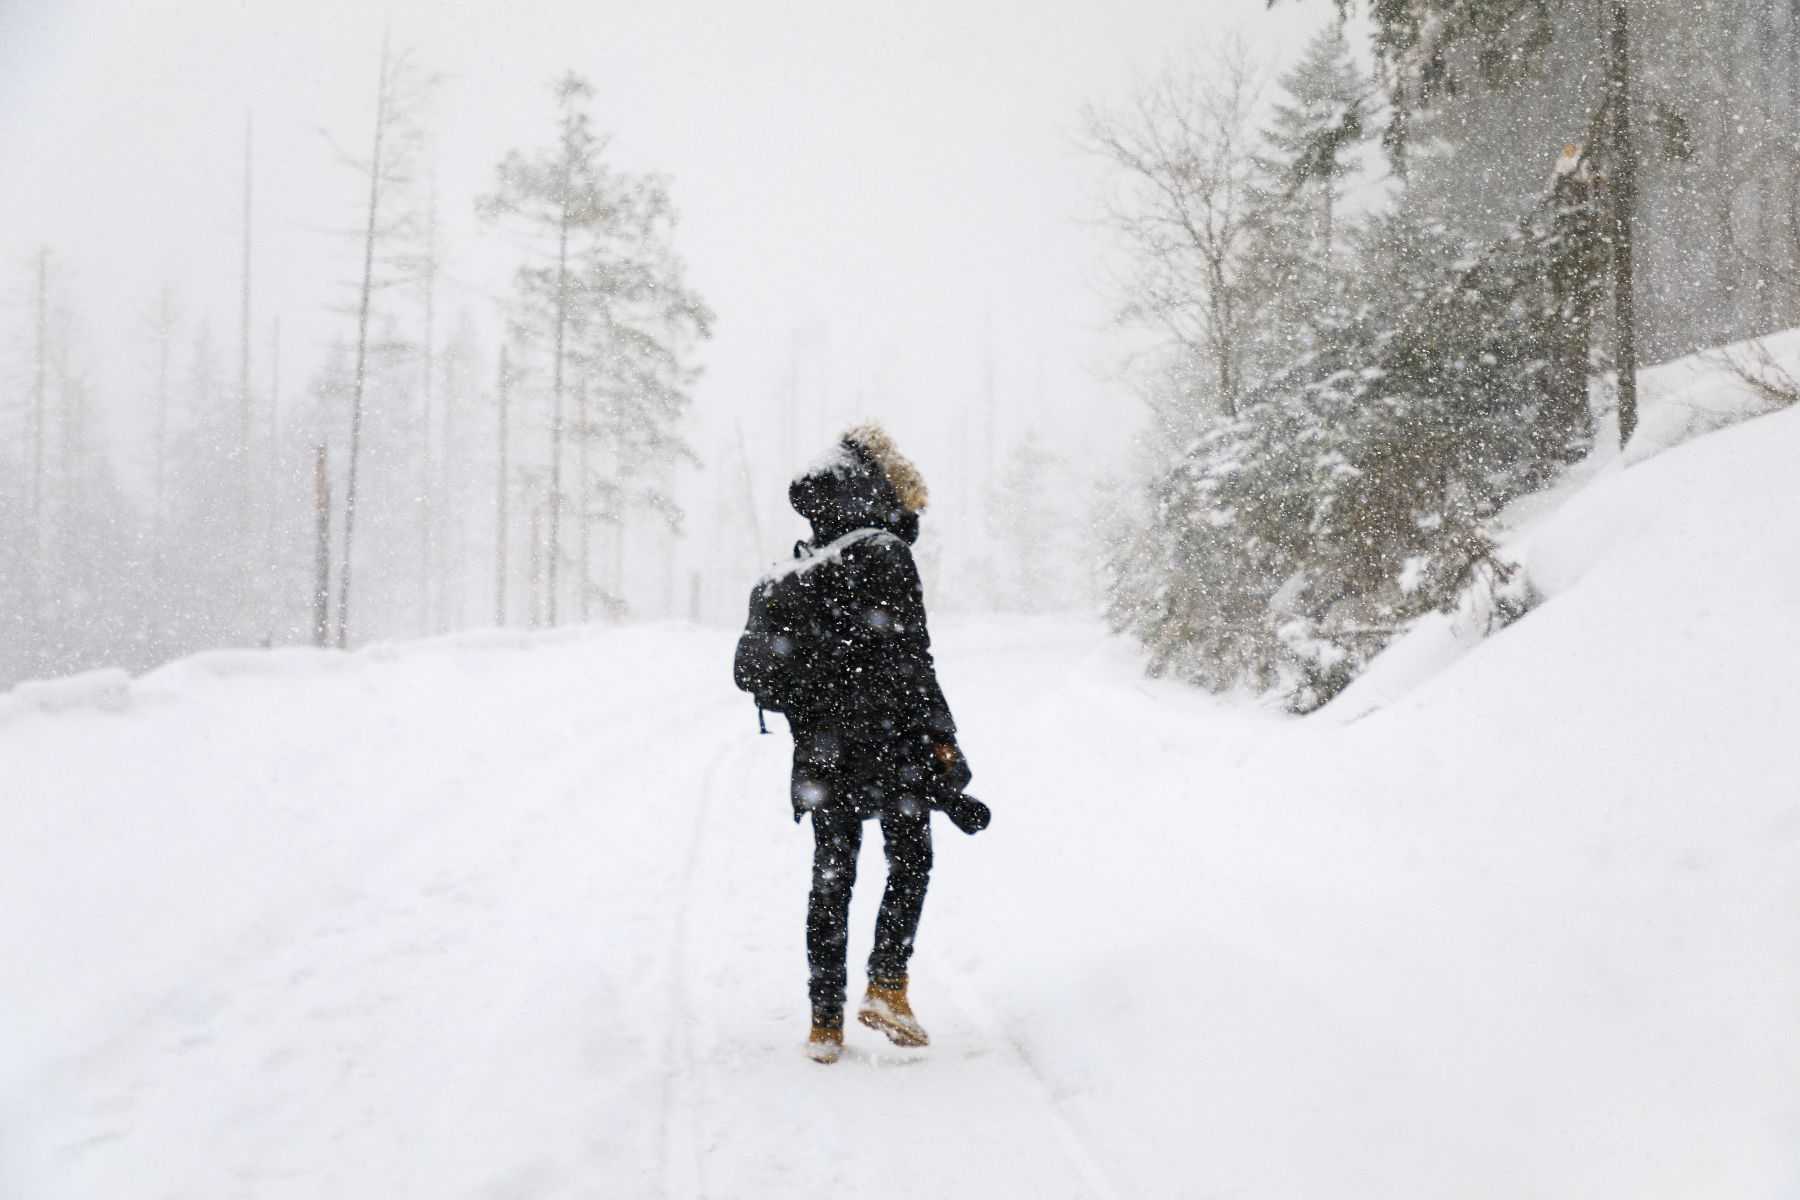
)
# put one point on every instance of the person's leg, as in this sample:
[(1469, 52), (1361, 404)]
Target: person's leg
[(837, 836), (907, 840)]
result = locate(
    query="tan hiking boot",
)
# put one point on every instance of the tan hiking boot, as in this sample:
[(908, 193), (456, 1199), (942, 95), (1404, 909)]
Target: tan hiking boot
[(885, 1010), (825, 1043)]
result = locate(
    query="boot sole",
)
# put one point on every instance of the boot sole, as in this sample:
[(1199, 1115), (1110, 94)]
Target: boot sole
[(900, 1035)]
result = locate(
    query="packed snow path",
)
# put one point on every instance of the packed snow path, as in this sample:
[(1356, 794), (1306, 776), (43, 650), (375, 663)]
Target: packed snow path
[(513, 917), (501, 917)]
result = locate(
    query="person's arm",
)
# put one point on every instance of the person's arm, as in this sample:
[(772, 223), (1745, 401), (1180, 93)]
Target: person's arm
[(900, 599)]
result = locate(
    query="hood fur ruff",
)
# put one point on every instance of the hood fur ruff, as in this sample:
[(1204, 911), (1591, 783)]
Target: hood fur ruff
[(902, 475)]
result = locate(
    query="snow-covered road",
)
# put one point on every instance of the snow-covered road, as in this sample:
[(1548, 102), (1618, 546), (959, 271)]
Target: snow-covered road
[(519, 918), (508, 917)]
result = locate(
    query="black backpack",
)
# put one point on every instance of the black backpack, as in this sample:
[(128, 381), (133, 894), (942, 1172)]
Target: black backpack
[(779, 653), (772, 663)]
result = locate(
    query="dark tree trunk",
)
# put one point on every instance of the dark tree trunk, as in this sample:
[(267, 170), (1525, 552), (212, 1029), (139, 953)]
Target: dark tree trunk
[(362, 348), (1624, 206), (500, 506), (321, 597)]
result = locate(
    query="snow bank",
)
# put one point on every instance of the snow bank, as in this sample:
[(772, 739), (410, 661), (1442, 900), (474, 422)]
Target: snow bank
[(1704, 392), (108, 690), (1528, 928), (1556, 535)]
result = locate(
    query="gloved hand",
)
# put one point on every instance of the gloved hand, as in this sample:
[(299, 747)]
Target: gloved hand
[(967, 813), (950, 765)]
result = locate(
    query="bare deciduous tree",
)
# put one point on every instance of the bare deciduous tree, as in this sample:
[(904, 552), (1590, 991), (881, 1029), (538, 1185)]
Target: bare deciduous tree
[(1183, 208), (394, 149)]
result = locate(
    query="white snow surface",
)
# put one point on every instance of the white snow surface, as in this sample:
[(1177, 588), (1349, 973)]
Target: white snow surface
[(519, 916)]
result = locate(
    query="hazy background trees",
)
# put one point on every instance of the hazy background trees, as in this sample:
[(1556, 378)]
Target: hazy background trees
[(73, 561), (240, 538), (1316, 247)]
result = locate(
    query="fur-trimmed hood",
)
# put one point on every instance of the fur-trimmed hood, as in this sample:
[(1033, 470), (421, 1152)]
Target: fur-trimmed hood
[(863, 483)]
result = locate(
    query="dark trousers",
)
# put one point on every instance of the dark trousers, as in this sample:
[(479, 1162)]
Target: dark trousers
[(837, 837)]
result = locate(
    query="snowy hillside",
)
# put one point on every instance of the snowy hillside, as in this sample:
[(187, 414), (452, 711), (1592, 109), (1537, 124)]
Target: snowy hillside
[(509, 916)]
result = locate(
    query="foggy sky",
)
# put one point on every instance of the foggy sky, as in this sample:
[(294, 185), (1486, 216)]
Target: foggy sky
[(890, 187)]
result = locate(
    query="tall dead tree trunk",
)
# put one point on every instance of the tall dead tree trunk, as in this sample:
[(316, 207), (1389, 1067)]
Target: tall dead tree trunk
[(40, 416), (362, 351), (1576, 275), (534, 597), (71, 417), (584, 502), (243, 525), (456, 498), (426, 572), (554, 550), (500, 497), (274, 465), (40, 381), (321, 592), (165, 336), (1624, 208)]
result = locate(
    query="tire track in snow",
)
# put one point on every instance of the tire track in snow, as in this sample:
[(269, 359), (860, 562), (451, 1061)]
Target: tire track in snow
[(378, 914), (681, 1162), (1081, 1152)]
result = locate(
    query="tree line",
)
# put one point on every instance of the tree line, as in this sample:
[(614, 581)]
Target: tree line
[(418, 480), (1345, 397)]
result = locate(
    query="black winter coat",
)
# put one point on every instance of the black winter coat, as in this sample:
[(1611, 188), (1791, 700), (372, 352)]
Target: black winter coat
[(871, 712)]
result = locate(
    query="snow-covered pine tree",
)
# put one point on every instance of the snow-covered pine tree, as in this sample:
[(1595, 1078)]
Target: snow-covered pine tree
[(1315, 129), (1426, 48), (1363, 483), (639, 360), (1223, 523), (1398, 402), (603, 295), (1310, 151), (1429, 48)]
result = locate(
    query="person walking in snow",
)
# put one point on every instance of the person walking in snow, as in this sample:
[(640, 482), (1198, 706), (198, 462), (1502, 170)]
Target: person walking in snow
[(837, 642)]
